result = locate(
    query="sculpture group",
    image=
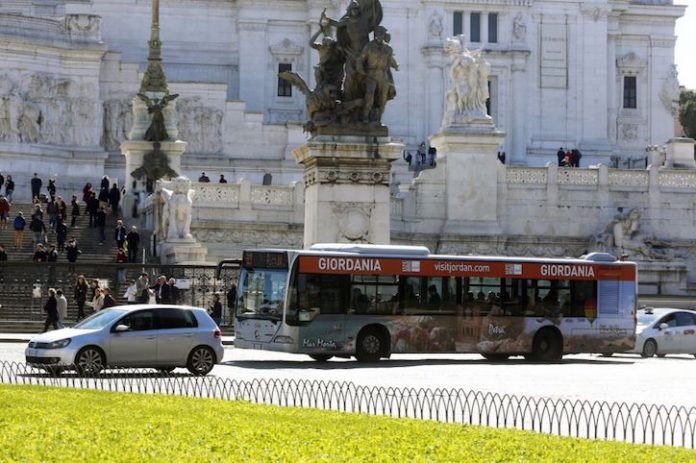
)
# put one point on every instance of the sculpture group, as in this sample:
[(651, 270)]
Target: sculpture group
[(466, 100), (354, 76)]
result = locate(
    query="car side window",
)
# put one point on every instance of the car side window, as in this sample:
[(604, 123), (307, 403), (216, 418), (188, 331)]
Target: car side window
[(684, 319), (139, 321), (171, 318), (670, 319)]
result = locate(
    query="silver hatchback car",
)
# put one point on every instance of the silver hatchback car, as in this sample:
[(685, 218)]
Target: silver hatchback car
[(132, 336)]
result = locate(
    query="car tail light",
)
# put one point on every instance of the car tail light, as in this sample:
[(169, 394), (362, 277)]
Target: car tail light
[(217, 333)]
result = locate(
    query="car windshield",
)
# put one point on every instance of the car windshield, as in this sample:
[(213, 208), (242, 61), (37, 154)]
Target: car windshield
[(646, 318), (261, 292), (100, 319)]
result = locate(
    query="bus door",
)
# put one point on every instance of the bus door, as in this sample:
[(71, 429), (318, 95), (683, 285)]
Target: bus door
[(260, 297), (318, 306)]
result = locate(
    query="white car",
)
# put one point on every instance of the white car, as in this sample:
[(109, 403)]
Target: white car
[(132, 336), (665, 331)]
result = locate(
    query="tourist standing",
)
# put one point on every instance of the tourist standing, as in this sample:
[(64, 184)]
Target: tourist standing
[(19, 226), (131, 292), (9, 188), (81, 296), (51, 189), (51, 309), (40, 255), (120, 234), (104, 185), (121, 258), (38, 229), (36, 186), (231, 298), (173, 291), (62, 209), (103, 198), (97, 302), (133, 240), (203, 178), (142, 289), (222, 178), (62, 308), (87, 193), (52, 211), (4, 212)]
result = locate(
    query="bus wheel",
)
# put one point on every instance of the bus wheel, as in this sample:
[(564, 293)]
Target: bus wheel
[(547, 346), (320, 357), (649, 349), (369, 346), (496, 357)]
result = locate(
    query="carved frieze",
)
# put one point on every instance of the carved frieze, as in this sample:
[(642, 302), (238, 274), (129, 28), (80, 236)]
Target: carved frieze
[(526, 175), (200, 125), (273, 196), (628, 178), (83, 26), (374, 176), (578, 176), (677, 179), (217, 194), (354, 220)]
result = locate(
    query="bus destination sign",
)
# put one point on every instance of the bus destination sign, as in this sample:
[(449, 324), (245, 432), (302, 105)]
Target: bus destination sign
[(266, 259)]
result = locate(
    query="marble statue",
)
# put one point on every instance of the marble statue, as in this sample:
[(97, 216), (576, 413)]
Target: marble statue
[(622, 236), (177, 209), (468, 71), (353, 77), (155, 106)]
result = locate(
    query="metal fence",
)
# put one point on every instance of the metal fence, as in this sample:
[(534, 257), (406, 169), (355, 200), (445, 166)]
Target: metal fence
[(635, 423)]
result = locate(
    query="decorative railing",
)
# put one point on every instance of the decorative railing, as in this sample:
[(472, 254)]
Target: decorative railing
[(636, 423)]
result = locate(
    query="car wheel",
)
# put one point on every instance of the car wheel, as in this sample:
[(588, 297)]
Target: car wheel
[(547, 346), (320, 357), (166, 370), (89, 361), (369, 346), (649, 349), (496, 357), (201, 360)]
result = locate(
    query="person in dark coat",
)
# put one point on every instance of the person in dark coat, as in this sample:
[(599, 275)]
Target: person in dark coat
[(133, 239), (103, 197), (101, 224), (36, 186), (75, 210), (114, 199), (51, 309), (232, 297), (92, 208), (216, 309), (560, 154), (51, 189), (104, 185), (61, 235), (120, 234)]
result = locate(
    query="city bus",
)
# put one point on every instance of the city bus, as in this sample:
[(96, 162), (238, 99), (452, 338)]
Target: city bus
[(371, 301)]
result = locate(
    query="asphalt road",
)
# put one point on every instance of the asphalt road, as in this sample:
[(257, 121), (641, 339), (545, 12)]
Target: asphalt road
[(622, 378)]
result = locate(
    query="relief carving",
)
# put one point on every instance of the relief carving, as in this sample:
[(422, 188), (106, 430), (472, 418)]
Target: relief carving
[(200, 126), (118, 118), (353, 221)]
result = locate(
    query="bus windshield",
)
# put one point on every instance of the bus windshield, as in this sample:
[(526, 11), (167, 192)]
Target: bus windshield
[(261, 292)]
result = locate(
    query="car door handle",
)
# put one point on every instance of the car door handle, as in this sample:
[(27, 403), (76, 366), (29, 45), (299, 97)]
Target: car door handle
[(188, 335), (150, 338)]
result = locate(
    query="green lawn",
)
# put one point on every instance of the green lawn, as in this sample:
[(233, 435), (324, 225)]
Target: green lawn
[(72, 425)]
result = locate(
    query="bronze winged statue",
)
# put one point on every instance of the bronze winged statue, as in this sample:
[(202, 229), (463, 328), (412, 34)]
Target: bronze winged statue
[(157, 130)]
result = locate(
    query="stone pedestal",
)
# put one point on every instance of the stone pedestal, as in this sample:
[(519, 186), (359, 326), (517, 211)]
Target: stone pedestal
[(185, 252), (470, 165), (680, 153), (135, 152), (662, 277), (347, 196)]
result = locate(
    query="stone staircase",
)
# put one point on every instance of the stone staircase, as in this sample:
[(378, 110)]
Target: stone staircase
[(87, 238)]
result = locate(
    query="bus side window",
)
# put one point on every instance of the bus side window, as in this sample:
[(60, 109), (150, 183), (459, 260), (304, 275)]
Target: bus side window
[(582, 294)]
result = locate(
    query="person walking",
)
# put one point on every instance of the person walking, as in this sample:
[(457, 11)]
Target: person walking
[(51, 309), (9, 188), (133, 240), (131, 292), (62, 209), (103, 198), (75, 213), (109, 301), (97, 302), (114, 199), (101, 223), (80, 294), (121, 258), (51, 189), (231, 299), (104, 185), (40, 255), (62, 308), (4, 212), (19, 225), (52, 211), (87, 193), (173, 291), (36, 186)]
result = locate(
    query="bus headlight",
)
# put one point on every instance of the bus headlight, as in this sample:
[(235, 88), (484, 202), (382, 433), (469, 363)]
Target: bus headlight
[(283, 340)]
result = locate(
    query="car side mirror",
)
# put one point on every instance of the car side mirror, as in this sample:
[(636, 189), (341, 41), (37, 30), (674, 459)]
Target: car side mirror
[(121, 328), (663, 326)]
